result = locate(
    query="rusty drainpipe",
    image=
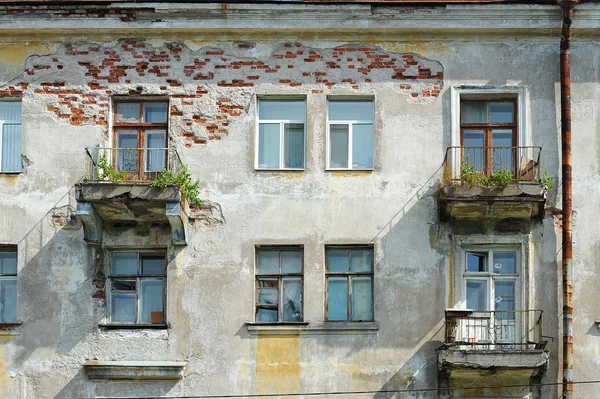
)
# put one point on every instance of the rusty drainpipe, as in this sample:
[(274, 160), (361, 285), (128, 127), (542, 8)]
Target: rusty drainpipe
[(567, 199)]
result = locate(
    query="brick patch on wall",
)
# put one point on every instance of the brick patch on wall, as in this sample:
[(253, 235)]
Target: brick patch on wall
[(210, 87)]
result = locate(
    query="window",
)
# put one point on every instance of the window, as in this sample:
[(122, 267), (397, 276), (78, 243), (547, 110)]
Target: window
[(8, 286), (140, 137), (350, 134), (349, 276), (279, 285), (10, 136), (281, 134), (490, 284), (137, 288), (489, 135)]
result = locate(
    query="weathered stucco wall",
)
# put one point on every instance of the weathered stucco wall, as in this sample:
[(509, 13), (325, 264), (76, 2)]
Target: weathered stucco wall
[(66, 85)]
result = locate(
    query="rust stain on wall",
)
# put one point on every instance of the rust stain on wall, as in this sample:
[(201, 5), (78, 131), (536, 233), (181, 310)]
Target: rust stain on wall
[(278, 366)]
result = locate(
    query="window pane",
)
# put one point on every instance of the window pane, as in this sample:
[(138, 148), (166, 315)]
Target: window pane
[(287, 110), (351, 111), (268, 292), (362, 146), (502, 157), (338, 260), (127, 152), (268, 262), (361, 260), (504, 291), (153, 265), (151, 301), (124, 263), (8, 262), (474, 112), (475, 156), (291, 262), (11, 148), (128, 112), (266, 315), (8, 300), (292, 299), (477, 295), (501, 112), (123, 285), (122, 307), (155, 112), (155, 157), (338, 145), (505, 262), (337, 298), (476, 262), (362, 299), (293, 145), (268, 145), (10, 111)]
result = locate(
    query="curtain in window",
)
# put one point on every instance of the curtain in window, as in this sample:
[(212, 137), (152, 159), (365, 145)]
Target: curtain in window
[(293, 150), (11, 147), (362, 146), (268, 145), (292, 299), (338, 137), (155, 154)]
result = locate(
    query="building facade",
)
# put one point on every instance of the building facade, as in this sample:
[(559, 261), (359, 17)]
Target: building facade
[(379, 202)]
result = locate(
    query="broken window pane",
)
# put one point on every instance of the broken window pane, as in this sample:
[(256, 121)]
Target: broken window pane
[(8, 262), (338, 260), (268, 262), (362, 308), (124, 263), (122, 307), (337, 298), (123, 285), (292, 299), (476, 262), (151, 301), (8, 300), (128, 112)]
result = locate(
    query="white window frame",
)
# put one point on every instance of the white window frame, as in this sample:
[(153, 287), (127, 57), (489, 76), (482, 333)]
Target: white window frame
[(282, 123), (9, 122), (486, 93), (138, 277), (350, 124)]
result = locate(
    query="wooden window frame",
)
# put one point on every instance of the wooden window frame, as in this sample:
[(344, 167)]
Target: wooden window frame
[(279, 277), (487, 133), (140, 127), (349, 276), (138, 278)]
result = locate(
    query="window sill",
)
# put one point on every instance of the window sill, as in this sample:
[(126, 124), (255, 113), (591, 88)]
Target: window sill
[(313, 328), (279, 170), (11, 173), (125, 326), (350, 172)]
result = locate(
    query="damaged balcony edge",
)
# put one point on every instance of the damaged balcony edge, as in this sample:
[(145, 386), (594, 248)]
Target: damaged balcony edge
[(154, 370)]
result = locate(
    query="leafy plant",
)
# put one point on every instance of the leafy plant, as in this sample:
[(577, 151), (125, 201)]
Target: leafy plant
[(546, 180), (502, 177), (107, 172), (183, 179), (468, 174)]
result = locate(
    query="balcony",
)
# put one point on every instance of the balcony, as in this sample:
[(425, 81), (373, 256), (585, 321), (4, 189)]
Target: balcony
[(492, 183), (501, 342), (117, 189)]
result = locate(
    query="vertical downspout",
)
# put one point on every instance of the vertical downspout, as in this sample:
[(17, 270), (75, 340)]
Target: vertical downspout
[(567, 199)]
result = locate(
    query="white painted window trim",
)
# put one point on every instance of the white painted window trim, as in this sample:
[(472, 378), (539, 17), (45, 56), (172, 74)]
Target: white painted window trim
[(524, 137), (350, 124), (282, 123)]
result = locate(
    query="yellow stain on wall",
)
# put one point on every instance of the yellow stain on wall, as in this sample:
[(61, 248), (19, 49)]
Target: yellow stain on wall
[(356, 173), (10, 180), (15, 54), (278, 364), (427, 49), (4, 379)]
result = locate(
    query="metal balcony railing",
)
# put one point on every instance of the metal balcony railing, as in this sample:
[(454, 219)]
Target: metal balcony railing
[(497, 329), (523, 163), (131, 165)]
